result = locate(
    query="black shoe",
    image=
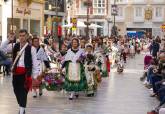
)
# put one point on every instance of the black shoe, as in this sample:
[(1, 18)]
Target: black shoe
[(35, 96), (40, 94), (70, 98), (77, 95)]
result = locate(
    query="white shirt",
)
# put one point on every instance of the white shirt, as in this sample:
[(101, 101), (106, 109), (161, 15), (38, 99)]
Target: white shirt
[(7, 48), (38, 62), (21, 59), (73, 56)]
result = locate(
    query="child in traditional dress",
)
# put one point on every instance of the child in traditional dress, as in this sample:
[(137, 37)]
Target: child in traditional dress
[(89, 70)]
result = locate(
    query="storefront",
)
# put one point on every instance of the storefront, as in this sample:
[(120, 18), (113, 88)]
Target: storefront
[(54, 17), (30, 18)]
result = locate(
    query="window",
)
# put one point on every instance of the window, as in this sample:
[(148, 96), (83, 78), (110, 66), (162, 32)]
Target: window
[(99, 7), (120, 11), (35, 27), (119, 1), (158, 12), (138, 12)]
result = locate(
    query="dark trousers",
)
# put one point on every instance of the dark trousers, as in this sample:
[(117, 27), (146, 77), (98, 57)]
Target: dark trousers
[(155, 79), (161, 93), (19, 90)]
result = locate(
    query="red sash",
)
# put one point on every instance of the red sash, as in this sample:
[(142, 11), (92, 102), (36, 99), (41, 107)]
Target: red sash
[(20, 71)]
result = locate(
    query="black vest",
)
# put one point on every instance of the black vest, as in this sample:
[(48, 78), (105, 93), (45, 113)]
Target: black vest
[(27, 57)]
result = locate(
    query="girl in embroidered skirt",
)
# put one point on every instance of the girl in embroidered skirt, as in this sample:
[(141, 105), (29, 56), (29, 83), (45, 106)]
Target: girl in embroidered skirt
[(90, 70)]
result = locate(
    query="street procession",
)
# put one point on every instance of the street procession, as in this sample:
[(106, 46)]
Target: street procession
[(82, 57)]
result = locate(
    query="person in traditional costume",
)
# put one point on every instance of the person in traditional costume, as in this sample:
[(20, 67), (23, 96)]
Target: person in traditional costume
[(24, 57), (90, 70), (132, 50), (82, 44), (42, 63), (75, 79)]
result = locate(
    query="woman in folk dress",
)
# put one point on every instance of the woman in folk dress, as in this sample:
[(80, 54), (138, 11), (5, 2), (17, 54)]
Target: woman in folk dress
[(75, 79)]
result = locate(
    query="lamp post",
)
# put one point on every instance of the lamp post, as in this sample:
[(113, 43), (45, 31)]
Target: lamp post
[(114, 13)]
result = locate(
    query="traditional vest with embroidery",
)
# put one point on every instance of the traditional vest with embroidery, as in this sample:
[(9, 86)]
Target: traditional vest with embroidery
[(27, 57)]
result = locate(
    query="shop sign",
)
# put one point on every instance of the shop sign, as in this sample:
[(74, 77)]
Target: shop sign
[(74, 22), (23, 11)]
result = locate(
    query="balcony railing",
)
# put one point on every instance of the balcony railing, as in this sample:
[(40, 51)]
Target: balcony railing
[(158, 2)]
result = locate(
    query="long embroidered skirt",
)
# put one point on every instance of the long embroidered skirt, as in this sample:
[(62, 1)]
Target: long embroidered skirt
[(75, 79)]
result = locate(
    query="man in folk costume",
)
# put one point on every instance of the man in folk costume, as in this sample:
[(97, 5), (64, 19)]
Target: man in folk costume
[(75, 79), (23, 58), (41, 64)]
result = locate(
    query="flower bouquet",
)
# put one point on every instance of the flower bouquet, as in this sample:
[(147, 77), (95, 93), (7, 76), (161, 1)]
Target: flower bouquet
[(53, 80)]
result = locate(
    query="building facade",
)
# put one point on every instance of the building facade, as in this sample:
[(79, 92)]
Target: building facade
[(140, 15), (54, 14), (25, 16), (98, 14)]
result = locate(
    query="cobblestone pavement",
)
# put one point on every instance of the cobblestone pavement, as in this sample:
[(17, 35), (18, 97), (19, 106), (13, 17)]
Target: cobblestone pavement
[(118, 94)]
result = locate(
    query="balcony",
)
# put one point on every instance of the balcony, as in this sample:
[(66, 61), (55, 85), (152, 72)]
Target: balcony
[(160, 19), (158, 2), (120, 1), (138, 19), (139, 1)]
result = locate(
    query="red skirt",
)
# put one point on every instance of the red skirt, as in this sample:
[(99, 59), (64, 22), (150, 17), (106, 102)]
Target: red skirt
[(108, 65), (36, 83)]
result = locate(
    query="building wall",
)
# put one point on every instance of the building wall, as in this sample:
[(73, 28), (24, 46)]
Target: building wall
[(79, 11), (32, 21), (131, 21)]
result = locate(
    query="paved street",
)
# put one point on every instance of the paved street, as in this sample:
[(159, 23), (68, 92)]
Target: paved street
[(119, 94)]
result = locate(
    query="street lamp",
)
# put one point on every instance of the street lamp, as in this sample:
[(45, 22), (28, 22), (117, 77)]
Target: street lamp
[(114, 13)]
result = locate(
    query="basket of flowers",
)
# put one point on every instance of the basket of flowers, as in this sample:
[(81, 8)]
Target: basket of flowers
[(53, 80)]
